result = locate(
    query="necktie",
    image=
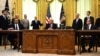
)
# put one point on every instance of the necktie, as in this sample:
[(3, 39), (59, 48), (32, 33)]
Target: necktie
[(87, 27), (15, 26)]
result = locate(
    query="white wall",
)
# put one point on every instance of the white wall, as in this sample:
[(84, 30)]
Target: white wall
[(2, 5), (55, 8), (82, 7), (29, 8)]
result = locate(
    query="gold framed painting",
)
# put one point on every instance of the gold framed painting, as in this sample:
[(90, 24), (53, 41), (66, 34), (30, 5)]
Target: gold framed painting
[(35, 0), (61, 0), (49, 0)]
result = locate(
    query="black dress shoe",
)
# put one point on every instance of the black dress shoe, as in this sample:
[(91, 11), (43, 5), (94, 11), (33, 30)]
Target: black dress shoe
[(15, 47)]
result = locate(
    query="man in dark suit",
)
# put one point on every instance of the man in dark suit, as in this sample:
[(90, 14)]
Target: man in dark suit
[(4, 22), (97, 23), (15, 26), (89, 17), (88, 26), (51, 25), (77, 25), (36, 23)]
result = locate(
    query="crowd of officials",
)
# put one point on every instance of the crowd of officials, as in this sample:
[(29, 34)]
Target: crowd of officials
[(6, 23)]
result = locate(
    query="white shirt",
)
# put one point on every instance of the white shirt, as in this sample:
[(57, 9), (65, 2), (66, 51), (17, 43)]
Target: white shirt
[(77, 20), (51, 25), (4, 16), (88, 17), (89, 26), (16, 27)]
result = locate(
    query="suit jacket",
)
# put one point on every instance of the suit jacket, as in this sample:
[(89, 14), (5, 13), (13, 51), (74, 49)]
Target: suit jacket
[(97, 23), (77, 25), (20, 26), (25, 23), (54, 26), (36, 25), (4, 22), (91, 18), (92, 27)]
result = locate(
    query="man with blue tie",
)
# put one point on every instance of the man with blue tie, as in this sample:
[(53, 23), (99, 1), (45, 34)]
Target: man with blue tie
[(77, 25)]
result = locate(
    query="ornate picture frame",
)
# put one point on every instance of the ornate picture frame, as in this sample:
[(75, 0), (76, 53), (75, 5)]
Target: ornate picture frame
[(61, 0), (35, 0), (49, 1)]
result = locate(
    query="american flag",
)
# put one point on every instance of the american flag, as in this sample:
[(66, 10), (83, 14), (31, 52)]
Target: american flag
[(48, 16)]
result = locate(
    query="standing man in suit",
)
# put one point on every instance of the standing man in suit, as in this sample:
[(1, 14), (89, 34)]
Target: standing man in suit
[(51, 25), (36, 23), (4, 22), (77, 25), (97, 23), (15, 26), (89, 17), (88, 26), (25, 22)]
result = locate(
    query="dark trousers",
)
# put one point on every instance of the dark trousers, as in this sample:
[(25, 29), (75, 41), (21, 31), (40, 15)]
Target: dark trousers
[(0, 39), (13, 39), (91, 42), (76, 37)]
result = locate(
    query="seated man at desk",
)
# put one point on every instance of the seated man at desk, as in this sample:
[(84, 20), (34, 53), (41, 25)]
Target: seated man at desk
[(12, 38), (51, 25), (88, 26)]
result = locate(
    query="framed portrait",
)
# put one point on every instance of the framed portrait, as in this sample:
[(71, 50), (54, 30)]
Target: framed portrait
[(61, 0), (49, 0), (35, 0)]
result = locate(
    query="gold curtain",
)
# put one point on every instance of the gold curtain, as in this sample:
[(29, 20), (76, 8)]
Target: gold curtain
[(95, 8), (17, 8), (41, 11), (70, 10)]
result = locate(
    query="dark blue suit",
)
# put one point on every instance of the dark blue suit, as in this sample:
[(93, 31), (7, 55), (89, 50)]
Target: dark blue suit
[(54, 26), (92, 38), (36, 25), (91, 18)]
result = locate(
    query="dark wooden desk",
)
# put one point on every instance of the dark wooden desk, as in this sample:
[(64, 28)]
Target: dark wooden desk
[(49, 41), (5, 33), (85, 32)]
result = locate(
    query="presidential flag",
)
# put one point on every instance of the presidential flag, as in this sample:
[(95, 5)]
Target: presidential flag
[(62, 18)]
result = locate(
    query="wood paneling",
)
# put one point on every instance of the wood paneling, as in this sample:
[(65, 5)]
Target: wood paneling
[(49, 41)]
